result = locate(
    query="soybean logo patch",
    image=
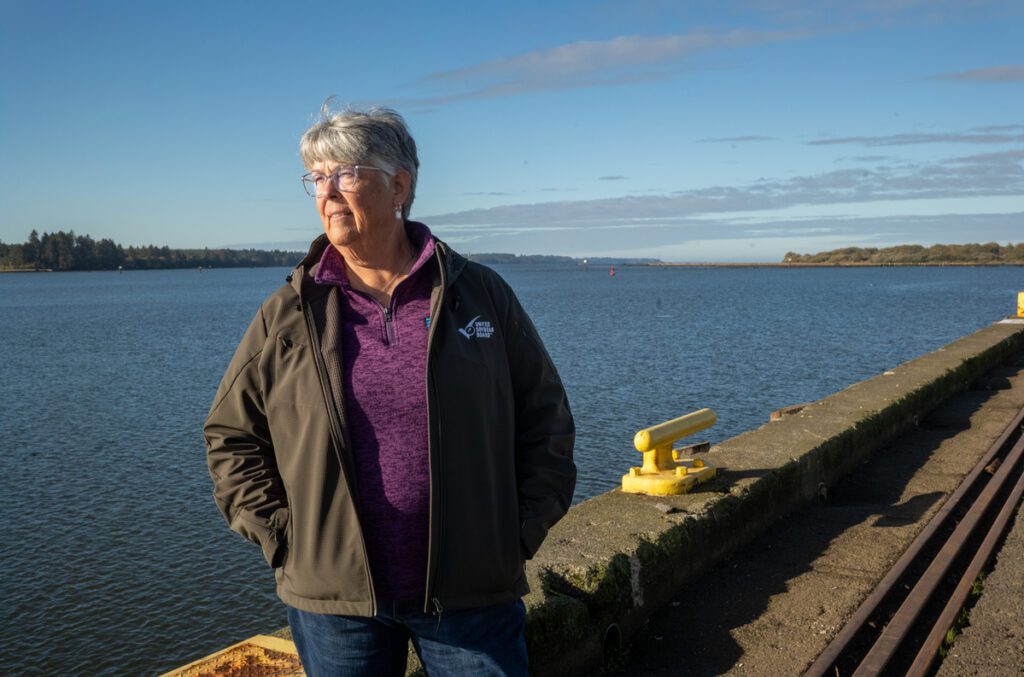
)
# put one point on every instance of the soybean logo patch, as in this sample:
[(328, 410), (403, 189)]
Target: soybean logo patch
[(478, 328)]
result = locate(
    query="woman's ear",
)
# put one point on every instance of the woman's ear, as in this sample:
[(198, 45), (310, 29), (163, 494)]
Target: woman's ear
[(400, 185)]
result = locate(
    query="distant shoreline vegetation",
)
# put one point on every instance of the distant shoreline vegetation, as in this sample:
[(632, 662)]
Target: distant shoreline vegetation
[(62, 251), (989, 253), (67, 251)]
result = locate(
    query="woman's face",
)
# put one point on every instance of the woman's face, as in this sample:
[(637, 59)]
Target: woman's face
[(364, 215)]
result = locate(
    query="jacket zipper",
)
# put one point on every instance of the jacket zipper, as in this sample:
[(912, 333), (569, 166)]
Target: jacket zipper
[(341, 440), (389, 327), (434, 459), (388, 313)]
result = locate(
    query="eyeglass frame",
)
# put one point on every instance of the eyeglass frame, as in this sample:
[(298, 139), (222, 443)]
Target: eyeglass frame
[(334, 176)]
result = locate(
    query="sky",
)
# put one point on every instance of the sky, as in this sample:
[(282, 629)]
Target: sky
[(683, 131)]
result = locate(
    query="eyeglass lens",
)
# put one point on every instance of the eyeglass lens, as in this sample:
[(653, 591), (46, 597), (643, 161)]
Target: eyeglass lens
[(343, 180)]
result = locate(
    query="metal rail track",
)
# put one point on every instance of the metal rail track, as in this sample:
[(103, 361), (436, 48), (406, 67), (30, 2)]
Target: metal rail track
[(904, 603)]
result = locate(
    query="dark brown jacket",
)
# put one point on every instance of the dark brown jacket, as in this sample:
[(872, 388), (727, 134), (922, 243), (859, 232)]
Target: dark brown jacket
[(500, 440)]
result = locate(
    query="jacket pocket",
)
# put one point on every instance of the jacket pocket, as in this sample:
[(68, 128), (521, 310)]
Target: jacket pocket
[(287, 545), (279, 535)]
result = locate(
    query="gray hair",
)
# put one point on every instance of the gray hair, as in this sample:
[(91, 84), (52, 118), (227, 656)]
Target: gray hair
[(377, 137)]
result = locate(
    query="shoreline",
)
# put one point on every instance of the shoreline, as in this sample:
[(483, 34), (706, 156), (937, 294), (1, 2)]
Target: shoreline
[(845, 264), (660, 264)]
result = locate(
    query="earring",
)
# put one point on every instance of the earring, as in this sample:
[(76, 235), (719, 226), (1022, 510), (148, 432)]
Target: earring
[(398, 210)]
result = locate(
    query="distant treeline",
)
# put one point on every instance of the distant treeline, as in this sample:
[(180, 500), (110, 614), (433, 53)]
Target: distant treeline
[(67, 251), (990, 253)]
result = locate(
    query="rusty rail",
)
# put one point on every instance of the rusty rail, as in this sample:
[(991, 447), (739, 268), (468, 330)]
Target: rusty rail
[(929, 650), (898, 628)]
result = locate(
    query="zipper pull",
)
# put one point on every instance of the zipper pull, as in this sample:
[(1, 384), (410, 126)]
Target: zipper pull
[(438, 609), (389, 327)]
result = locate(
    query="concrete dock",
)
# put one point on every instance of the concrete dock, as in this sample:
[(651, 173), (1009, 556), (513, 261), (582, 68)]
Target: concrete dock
[(617, 558), (773, 606)]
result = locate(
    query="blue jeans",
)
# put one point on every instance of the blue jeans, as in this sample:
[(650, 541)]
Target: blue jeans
[(481, 641)]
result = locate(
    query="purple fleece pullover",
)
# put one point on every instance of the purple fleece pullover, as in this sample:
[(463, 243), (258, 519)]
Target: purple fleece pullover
[(384, 367)]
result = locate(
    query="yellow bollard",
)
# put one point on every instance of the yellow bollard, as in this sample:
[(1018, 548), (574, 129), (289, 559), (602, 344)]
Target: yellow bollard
[(1020, 304), (663, 472)]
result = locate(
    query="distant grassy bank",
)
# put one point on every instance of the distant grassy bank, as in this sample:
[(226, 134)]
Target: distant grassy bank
[(989, 253), (835, 264)]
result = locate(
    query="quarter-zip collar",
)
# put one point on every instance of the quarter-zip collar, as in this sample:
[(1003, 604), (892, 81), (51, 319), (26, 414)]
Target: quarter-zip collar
[(303, 277), (332, 269)]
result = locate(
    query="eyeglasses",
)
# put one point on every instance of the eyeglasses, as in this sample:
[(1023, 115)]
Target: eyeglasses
[(343, 179)]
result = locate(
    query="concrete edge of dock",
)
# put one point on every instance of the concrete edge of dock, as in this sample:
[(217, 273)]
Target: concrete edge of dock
[(617, 558)]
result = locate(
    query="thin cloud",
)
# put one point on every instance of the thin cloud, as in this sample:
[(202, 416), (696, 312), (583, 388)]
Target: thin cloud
[(997, 128), (735, 139), (917, 139), (1007, 73), (513, 88), (986, 166), (589, 63), (864, 158), (612, 178), (593, 56)]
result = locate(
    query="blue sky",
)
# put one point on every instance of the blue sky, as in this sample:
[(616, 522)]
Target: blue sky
[(686, 131)]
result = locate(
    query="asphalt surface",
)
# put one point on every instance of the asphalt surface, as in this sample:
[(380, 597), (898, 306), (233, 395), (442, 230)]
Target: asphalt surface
[(772, 607)]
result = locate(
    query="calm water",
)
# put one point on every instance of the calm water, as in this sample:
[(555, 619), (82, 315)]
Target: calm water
[(115, 560)]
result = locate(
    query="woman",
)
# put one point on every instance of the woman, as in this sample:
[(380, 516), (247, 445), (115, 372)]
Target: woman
[(391, 430)]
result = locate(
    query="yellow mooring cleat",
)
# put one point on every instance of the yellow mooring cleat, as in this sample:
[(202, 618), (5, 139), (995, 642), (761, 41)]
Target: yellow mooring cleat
[(664, 473)]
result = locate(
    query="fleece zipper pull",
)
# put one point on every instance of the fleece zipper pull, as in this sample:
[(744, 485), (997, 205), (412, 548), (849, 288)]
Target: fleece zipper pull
[(389, 327)]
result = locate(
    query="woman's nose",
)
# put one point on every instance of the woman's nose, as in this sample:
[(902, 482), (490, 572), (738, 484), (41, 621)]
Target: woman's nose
[(331, 189)]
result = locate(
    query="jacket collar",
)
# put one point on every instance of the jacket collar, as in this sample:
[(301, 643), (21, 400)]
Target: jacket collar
[(301, 279), (452, 261)]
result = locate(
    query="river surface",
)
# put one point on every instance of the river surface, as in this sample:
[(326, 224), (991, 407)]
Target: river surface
[(115, 559)]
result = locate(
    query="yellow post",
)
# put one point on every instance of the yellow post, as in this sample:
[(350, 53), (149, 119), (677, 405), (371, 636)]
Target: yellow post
[(663, 473), (1020, 304), (668, 432)]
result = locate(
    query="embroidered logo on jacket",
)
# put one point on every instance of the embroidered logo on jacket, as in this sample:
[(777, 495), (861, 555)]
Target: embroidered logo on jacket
[(477, 327)]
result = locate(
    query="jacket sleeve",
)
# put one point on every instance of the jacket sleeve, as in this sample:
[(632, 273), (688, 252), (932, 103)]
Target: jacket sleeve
[(545, 431), (247, 486)]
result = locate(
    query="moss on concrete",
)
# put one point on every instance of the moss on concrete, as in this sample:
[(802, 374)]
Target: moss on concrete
[(555, 621)]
